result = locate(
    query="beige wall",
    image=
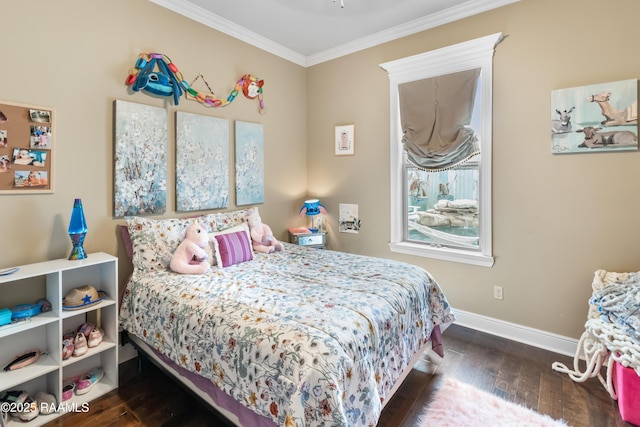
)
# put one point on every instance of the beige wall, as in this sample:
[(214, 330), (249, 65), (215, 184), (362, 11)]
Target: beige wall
[(75, 56), (556, 218)]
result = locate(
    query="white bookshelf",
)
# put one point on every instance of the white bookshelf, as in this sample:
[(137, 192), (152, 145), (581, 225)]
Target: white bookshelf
[(52, 280)]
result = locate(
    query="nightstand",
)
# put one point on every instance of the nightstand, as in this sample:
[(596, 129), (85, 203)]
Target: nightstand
[(312, 240)]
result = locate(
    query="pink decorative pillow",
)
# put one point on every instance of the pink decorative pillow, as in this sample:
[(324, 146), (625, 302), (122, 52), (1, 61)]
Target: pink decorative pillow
[(213, 246), (234, 248)]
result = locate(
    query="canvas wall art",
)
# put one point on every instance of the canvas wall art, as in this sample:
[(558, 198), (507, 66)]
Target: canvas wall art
[(595, 118), (349, 222), (140, 164), (202, 162), (249, 163)]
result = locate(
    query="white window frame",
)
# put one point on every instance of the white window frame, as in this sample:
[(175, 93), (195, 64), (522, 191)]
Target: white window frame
[(476, 53)]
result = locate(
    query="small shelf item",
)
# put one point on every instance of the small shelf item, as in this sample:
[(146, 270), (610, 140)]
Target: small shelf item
[(77, 231), (5, 316), (23, 360), (8, 271), (25, 310)]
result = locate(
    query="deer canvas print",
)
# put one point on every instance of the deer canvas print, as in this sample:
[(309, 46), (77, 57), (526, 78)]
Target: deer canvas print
[(595, 118)]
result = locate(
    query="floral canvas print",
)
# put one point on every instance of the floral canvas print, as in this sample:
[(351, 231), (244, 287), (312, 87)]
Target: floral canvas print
[(140, 166), (202, 162), (249, 163)]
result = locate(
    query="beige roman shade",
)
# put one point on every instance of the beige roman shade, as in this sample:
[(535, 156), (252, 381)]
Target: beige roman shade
[(435, 115)]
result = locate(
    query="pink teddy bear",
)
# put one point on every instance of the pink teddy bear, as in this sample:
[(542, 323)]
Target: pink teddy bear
[(261, 234), (190, 256)]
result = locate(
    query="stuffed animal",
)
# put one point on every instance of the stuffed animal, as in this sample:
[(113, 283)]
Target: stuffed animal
[(261, 234), (190, 256)]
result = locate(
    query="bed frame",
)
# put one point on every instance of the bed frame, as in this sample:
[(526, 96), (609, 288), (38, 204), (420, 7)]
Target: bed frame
[(229, 411)]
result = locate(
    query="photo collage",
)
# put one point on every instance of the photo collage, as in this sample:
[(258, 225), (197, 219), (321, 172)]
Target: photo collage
[(26, 140)]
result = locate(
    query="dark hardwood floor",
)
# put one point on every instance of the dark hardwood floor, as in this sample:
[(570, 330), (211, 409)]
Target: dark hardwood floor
[(513, 371)]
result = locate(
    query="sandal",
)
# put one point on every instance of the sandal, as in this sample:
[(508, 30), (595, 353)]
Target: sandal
[(88, 380)]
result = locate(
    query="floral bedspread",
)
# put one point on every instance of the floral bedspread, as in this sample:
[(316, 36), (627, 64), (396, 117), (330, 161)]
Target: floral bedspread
[(306, 337)]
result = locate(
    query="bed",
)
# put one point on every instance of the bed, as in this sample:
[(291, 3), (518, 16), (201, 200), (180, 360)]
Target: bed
[(300, 337)]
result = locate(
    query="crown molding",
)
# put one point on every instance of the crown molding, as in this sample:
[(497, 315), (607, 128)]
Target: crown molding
[(446, 16), (203, 16)]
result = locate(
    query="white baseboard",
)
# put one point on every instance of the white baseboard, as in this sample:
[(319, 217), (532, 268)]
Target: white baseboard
[(524, 334)]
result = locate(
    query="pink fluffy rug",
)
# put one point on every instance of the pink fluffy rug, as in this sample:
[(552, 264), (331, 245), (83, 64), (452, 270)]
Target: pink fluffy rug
[(460, 405)]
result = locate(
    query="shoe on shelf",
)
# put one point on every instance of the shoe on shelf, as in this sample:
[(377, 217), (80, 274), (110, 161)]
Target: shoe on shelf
[(88, 380), (46, 402), (86, 328), (67, 346), (21, 400), (80, 345), (29, 411), (68, 388), (95, 337), (14, 397)]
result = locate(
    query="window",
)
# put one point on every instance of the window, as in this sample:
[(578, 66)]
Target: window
[(442, 209)]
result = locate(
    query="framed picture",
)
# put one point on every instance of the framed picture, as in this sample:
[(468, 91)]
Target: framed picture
[(595, 118), (345, 140), (140, 166), (26, 148), (349, 222)]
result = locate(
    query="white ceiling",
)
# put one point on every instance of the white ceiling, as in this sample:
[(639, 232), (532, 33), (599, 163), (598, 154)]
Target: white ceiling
[(309, 32)]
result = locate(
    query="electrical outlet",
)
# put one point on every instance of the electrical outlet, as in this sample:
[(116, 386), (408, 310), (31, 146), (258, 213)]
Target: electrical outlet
[(497, 292)]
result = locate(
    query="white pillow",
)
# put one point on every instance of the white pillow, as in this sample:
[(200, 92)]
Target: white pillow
[(213, 243)]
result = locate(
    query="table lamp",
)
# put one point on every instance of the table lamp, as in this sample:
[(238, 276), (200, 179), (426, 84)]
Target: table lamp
[(312, 208)]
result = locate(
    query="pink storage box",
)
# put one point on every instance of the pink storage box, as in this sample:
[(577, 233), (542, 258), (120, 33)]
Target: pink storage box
[(627, 386)]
